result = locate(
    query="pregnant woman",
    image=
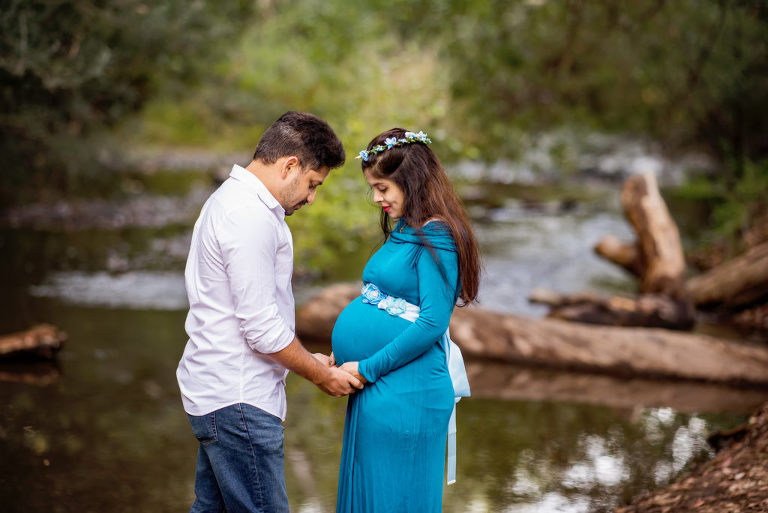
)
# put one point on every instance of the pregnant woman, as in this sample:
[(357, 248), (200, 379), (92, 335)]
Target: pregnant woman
[(393, 456)]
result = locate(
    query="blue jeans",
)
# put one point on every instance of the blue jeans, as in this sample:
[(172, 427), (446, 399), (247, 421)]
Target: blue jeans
[(239, 462)]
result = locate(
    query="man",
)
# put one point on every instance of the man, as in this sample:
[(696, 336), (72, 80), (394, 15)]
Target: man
[(241, 318)]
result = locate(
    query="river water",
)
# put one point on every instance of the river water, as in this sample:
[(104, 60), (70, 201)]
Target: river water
[(103, 428)]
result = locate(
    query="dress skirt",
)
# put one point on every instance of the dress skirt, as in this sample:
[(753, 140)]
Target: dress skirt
[(393, 457)]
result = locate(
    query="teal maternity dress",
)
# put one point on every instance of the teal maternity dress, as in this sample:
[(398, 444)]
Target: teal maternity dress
[(393, 457)]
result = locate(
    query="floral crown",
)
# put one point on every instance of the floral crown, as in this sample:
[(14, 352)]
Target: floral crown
[(391, 142)]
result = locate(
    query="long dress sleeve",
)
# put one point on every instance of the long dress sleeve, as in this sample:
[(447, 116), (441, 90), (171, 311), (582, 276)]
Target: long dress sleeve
[(437, 297)]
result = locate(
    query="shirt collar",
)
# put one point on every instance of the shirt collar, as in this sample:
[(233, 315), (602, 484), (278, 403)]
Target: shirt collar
[(251, 181)]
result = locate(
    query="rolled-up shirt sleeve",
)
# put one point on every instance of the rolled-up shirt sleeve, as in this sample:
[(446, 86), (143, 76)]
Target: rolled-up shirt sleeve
[(248, 242)]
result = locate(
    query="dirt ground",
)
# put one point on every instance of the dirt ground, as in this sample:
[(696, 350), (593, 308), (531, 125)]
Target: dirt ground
[(735, 481)]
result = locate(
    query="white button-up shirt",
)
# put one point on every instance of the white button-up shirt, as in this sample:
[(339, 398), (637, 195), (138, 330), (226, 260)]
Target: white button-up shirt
[(241, 305)]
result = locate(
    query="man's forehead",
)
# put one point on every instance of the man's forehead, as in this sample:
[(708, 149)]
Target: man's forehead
[(318, 175)]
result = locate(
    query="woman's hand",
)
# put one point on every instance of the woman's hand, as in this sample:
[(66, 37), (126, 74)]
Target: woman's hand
[(332, 359), (351, 367), (325, 360)]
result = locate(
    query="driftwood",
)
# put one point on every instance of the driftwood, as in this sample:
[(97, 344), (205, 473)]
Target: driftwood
[(656, 258), (650, 310), (735, 284), (658, 254), (41, 341), (623, 352)]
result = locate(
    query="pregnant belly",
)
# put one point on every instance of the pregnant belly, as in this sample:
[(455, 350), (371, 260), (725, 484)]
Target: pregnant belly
[(362, 329)]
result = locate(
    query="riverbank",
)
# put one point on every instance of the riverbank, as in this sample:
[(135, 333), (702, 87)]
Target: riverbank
[(735, 481)]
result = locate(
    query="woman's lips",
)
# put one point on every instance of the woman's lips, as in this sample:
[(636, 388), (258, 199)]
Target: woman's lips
[(386, 209)]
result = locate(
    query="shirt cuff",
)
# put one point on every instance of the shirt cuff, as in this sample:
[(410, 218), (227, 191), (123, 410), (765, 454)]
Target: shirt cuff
[(362, 368)]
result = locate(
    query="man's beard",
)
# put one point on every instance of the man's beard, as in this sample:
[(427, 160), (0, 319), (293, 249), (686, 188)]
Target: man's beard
[(294, 209), (289, 192)]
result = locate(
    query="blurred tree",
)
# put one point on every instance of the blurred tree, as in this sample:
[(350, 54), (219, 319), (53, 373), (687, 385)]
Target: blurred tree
[(67, 67), (684, 72), (484, 77)]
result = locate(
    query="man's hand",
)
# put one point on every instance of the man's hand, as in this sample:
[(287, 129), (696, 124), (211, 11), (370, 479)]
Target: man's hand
[(331, 380), (352, 368), (339, 383)]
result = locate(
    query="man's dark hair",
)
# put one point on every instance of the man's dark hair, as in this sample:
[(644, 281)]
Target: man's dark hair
[(304, 136)]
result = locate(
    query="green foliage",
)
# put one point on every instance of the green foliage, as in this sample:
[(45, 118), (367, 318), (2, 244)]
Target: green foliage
[(742, 204), (67, 67), (735, 206), (683, 72)]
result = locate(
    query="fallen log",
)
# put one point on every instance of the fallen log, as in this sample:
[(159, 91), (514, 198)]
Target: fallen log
[(735, 284), (624, 352), (40, 341), (649, 310)]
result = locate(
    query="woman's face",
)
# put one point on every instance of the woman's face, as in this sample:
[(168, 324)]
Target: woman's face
[(388, 195)]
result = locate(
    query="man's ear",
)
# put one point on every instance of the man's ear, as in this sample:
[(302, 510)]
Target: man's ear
[(290, 164)]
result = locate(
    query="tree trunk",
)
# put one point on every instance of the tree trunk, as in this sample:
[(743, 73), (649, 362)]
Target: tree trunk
[(553, 343)]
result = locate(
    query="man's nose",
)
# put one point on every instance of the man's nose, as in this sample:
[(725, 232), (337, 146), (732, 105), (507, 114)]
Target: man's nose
[(311, 197)]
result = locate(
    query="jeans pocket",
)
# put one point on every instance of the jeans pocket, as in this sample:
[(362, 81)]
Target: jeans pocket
[(204, 428), (264, 429)]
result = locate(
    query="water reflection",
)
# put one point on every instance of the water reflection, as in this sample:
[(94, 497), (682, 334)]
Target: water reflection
[(516, 382), (110, 435)]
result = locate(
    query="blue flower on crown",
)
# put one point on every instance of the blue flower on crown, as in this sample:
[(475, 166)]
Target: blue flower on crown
[(390, 141), (363, 155)]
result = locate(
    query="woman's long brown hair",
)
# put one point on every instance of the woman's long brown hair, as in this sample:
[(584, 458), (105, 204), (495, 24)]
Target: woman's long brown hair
[(428, 195)]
